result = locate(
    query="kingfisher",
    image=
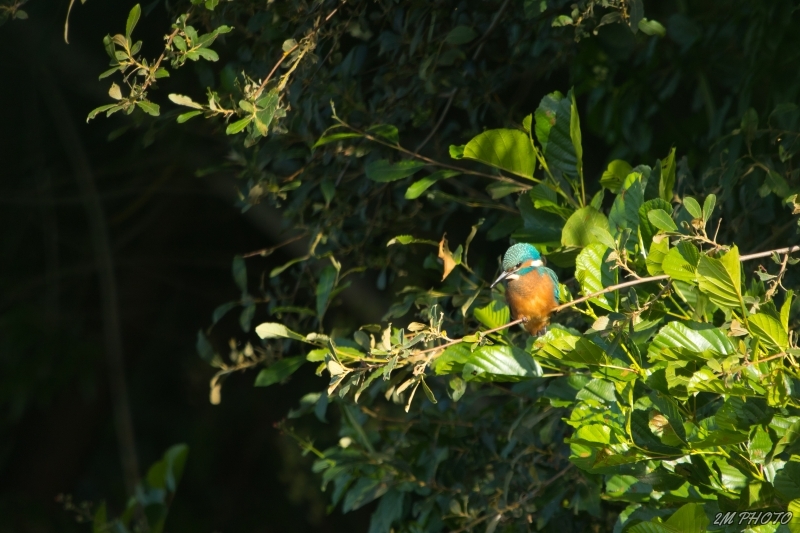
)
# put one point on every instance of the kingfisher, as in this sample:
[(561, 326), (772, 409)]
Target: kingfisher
[(532, 291)]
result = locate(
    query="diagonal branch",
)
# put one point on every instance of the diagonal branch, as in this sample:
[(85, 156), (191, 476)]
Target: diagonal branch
[(582, 299)]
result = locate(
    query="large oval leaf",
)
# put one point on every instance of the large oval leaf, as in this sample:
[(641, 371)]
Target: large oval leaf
[(578, 229), (487, 363), (690, 341), (769, 330), (553, 132), (594, 273), (508, 150), (721, 279)]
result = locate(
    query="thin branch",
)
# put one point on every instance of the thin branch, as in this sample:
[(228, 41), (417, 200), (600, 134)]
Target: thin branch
[(287, 54), (489, 30), (272, 72), (589, 297), (779, 251), (433, 162), (264, 252), (439, 122)]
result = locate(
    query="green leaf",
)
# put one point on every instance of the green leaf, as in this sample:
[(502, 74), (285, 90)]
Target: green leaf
[(771, 332), (578, 229), (99, 524), (239, 125), (708, 207), (272, 330), (279, 371), (335, 137), (681, 262), (149, 107), (96, 111), (646, 228), (693, 207), (721, 279), (690, 518), (689, 341), (409, 239), (508, 150), (327, 281), (418, 187), (184, 101), (460, 35), (787, 480), (246, 317), (457, 152), (133, 18), (760, 445), (363, 491), (575, 134), (668, 170), (186, 116), (167, 473), (494, 315), (652, 27), (389, 510), (487, 363), (539, 226), (204, 348), (387, 131), (624, 212), (383, 171), (655, 257), (501, 189), (553, 121), (239, 270), (661, 219), (594, 273), (786, 309), (614, 176)]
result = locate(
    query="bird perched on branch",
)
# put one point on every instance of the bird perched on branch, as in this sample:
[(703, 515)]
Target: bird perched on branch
[(532, 291)]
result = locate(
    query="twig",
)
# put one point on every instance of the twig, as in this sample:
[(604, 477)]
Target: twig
[(433, 162), (438, 123), (594, 295), (266, 251), (272, 72), (489, 30), (776, 356), (535, 492), (779, 251), (285, 55)]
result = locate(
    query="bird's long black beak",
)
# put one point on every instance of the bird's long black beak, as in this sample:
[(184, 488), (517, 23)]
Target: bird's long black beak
[(503, 275)]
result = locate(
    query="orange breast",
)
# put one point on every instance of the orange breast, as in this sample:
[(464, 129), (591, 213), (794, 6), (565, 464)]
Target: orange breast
[(532, 296)]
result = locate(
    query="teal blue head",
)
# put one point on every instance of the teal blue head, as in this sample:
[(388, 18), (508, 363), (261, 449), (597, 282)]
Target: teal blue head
[(518, 261)]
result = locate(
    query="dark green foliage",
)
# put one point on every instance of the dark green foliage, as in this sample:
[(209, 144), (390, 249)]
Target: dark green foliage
[(375, 127)]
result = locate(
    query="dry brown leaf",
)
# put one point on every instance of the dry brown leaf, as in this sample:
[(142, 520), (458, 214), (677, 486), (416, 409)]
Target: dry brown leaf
[(447, 256)]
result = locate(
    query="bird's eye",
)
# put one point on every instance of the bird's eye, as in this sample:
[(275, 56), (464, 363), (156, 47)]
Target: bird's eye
[(519, 265)]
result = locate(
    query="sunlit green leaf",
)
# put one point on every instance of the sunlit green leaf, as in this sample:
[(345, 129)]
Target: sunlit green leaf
[(594, 273), (770, 331), (508, 150), (487, 363), (721, 279), (578, 229), (493, 315)]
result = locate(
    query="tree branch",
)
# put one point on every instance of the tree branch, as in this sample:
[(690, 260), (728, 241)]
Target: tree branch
[(582, 299)]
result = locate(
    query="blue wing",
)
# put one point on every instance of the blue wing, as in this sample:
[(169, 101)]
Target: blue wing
[(556, 291)]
